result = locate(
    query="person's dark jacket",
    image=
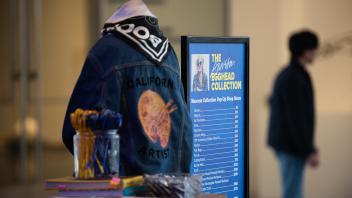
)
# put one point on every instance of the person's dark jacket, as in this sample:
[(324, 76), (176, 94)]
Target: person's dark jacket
[(125, 72), (291, 127)]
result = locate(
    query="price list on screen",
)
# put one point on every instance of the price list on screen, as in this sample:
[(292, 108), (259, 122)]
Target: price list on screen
[(216, 148)]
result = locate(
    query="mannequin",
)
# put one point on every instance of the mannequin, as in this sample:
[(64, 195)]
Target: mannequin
[(133, 69), (130, 8)]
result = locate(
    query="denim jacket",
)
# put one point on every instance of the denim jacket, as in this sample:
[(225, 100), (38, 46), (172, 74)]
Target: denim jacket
[(156, 135)]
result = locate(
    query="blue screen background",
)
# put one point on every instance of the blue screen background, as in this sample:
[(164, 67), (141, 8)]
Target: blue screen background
[(219, 127)]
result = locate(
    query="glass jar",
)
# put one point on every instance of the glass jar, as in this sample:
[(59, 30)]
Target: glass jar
[(96, 155)]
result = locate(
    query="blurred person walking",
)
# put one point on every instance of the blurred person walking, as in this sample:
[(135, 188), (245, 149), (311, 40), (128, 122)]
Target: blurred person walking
[(292, 119)]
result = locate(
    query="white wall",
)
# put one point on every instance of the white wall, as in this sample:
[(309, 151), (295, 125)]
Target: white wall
[(269, 24), (65, 45)]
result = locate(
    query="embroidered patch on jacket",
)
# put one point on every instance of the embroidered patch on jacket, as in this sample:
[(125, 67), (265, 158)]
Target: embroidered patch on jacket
[(144, 32), (154, 116)]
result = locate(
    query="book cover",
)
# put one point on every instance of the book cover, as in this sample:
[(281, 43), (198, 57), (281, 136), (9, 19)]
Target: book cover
[(69, 183)]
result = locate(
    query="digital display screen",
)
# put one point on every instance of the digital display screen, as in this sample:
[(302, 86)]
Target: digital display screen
[(216, 75)]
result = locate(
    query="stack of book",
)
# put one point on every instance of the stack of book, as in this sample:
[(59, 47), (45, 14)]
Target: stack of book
[(70, 187)]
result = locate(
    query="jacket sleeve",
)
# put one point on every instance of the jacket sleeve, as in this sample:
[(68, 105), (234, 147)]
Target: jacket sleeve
[(295, 103), (187, 139), (187, 146), (86, 95)]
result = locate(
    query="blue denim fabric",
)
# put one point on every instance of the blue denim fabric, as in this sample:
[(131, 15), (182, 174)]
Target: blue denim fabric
[(114, 76), (291, 169)]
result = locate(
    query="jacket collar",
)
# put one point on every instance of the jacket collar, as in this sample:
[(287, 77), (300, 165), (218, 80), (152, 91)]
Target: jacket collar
[(296, 64)]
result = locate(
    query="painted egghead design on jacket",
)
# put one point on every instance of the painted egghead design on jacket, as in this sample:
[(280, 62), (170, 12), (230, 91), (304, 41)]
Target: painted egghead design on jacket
[(154, 116)]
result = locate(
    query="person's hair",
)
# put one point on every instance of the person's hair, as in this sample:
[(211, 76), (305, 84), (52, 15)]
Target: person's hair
[(200, 60), (301, 41)]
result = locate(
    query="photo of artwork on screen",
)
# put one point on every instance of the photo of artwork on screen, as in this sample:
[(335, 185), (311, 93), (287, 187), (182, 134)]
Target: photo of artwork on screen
[(200, 72)]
